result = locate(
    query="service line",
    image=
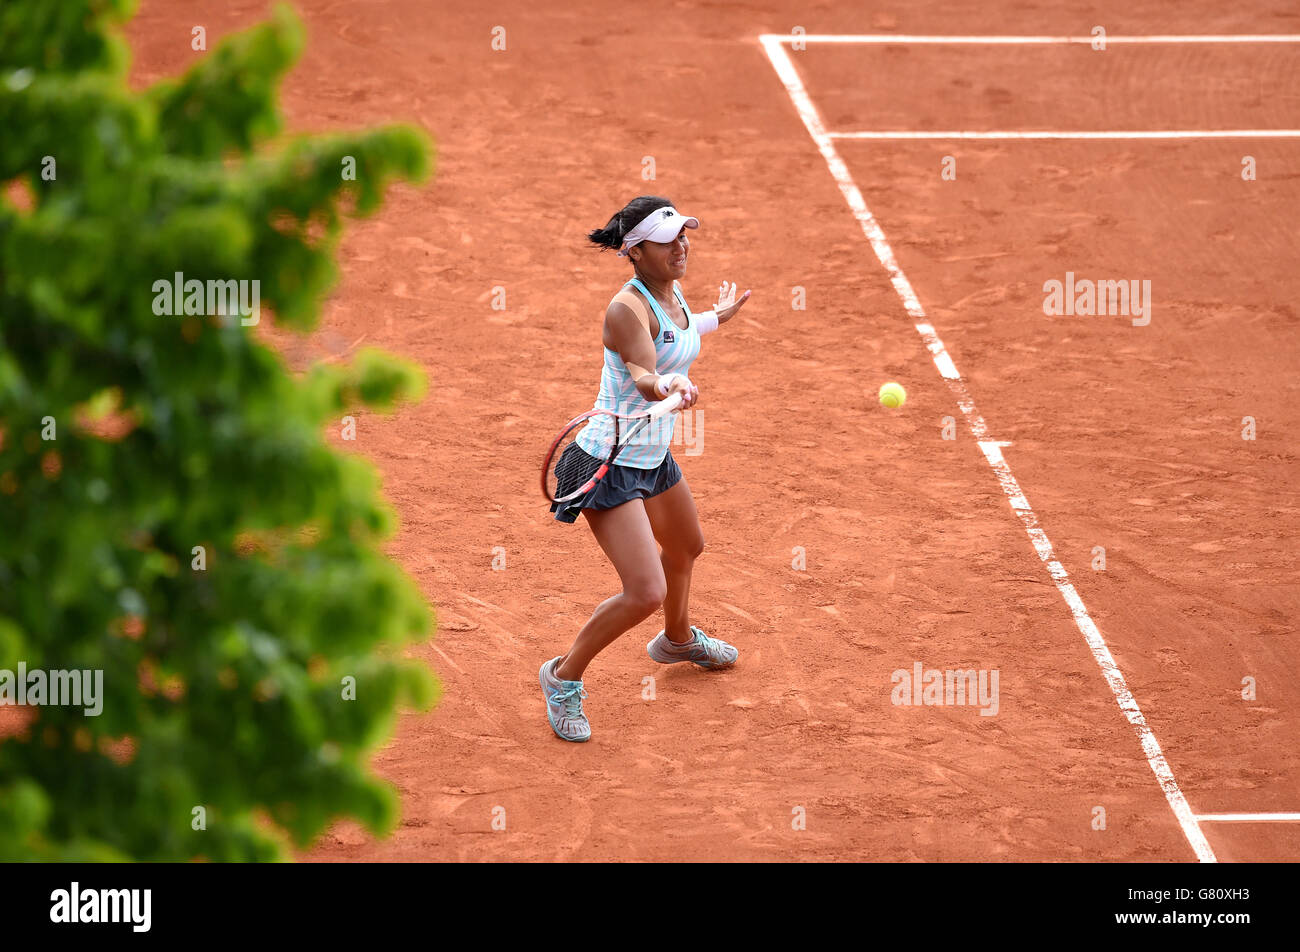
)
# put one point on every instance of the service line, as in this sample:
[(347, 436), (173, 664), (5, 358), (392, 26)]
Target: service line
[(1028, 40), (1104, 134)]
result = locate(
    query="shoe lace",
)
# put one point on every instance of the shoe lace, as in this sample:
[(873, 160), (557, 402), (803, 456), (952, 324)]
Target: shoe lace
[(711, 646), (571, 698)]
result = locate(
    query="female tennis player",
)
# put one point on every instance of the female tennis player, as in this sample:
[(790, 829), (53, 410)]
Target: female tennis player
[(651, 337)]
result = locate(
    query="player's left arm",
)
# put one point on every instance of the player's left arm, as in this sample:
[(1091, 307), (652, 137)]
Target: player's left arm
[(726, 308)]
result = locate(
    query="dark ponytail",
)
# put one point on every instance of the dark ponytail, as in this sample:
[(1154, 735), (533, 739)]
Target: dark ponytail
[(624, 220)]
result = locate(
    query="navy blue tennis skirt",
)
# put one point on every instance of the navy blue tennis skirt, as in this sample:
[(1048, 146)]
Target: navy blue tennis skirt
[(621, 484)]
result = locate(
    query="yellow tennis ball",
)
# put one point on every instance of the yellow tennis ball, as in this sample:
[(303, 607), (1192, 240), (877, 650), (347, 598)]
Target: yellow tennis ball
[(892, 395)]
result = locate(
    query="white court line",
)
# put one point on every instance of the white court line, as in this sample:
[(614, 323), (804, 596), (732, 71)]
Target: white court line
[(992, 450), (1174, 134), (1029, 40), (1250, 817)]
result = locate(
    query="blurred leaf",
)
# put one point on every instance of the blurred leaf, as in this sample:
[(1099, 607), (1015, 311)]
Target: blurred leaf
[(172, 514)]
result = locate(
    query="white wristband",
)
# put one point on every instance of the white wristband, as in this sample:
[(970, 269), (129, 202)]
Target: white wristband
[(664, 383), (707, 322)]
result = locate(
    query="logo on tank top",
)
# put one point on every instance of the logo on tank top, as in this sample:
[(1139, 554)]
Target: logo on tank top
[(669, 337)]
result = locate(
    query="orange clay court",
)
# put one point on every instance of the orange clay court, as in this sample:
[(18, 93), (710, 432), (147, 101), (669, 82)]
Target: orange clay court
[(1161, 688)]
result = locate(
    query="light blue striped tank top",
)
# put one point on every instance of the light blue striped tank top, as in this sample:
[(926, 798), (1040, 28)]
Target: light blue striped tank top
[(675, 350)]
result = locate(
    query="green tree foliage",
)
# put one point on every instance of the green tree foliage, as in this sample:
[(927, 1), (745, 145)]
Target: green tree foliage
[(223, 684)]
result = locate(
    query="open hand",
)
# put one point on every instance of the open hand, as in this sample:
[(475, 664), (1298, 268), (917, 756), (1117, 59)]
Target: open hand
[(727, 305)]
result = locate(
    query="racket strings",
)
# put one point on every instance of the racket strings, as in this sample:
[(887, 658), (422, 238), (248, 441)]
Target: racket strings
[(572, 466)]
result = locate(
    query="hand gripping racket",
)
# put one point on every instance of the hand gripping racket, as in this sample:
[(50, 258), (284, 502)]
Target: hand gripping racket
[(572, 469)]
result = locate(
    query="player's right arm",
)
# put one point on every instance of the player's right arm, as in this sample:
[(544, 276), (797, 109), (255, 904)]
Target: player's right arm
[(630, 339)]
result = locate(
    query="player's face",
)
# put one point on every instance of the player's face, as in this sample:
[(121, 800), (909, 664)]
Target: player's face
[(665, 260)]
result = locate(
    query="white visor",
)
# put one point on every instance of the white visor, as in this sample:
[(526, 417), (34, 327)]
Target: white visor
[(661, 225)]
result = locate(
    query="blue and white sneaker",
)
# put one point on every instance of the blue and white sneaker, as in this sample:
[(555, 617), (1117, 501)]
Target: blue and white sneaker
[(705, 651), (564, 704)]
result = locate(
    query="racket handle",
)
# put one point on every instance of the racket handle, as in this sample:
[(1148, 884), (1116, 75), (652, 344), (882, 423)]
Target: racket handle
[(667, 405)]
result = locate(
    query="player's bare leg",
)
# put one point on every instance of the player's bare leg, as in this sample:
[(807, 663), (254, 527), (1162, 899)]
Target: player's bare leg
[(676, 525), (624, 534)]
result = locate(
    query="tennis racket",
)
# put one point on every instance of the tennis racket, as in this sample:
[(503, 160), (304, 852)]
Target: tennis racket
[(572, 469)]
